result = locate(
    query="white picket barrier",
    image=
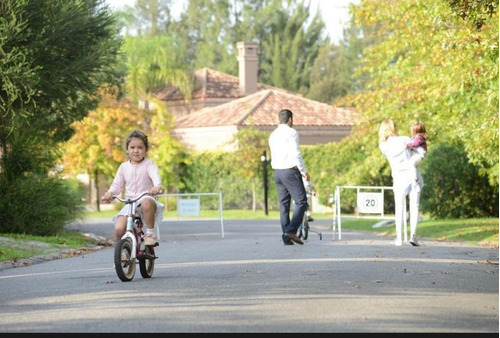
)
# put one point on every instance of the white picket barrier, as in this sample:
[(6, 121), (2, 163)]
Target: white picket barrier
[(370, 200), (191, 207)]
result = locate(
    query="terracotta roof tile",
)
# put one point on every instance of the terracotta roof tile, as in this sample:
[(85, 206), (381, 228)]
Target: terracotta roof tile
[(209, 84), (262, 109)]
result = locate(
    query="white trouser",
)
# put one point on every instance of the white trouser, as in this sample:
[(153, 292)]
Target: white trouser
[(415, 203), (401, 190), (400, 193)]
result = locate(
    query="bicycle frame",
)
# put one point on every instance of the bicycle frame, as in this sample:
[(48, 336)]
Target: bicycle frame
[(132, 246), (132, 232)]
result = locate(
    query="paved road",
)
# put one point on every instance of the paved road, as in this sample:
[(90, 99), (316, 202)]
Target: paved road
[(249, 282)]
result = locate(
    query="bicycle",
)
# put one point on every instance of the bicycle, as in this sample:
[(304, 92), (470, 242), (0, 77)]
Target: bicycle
[(131, 246), (303, 230)]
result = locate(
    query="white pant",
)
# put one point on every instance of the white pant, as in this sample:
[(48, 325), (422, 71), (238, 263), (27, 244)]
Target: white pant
[(401, 190)]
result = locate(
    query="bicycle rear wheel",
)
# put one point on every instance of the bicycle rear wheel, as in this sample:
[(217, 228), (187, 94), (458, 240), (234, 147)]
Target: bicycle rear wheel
[(124, 265), (305, 227), (147, 264)]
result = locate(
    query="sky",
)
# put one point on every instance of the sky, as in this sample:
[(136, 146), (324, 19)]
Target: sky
[(335, 13)]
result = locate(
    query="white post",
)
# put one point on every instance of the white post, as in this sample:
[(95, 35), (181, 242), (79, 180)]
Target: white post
[(220, 215)]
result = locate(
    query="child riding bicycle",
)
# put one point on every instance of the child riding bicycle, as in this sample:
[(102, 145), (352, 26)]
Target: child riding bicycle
[(138, 175)]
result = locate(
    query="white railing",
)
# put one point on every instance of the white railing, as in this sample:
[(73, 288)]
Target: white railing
[(187, 208), (370, 200)]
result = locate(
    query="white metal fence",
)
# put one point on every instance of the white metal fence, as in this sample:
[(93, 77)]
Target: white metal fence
[(370, 201), (189, 206)]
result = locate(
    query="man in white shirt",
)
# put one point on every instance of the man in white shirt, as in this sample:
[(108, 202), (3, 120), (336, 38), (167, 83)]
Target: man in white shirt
[(289, 168)]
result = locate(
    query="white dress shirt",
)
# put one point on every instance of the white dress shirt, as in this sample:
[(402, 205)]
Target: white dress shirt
[(285, 151)]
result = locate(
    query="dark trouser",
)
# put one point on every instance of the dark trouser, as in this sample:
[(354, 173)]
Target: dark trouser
[(290, 186)]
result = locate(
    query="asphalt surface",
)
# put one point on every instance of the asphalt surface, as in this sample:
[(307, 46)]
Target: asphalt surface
[(248, 281)]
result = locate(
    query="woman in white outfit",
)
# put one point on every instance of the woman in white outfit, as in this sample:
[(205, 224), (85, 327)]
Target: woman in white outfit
[(394, 149)]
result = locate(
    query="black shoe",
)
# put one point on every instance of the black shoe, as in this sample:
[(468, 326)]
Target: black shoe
[(294, 238), (310, 219), (288, 243)]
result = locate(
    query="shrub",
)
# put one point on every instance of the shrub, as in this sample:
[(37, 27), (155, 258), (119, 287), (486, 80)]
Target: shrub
[(453, 186), (39, 205)]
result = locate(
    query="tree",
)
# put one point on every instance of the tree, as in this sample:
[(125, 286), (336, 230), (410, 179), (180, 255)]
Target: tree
[(54, 56), (167, 151), (430, 65), (204, 30), (422, 63), (153, 16), (96, 148), (330, 79), (250, 143), (290, 48), (152, 63)]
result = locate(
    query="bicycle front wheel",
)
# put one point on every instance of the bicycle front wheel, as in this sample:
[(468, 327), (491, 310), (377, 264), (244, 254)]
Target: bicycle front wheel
[(124, 264), (147, 264)]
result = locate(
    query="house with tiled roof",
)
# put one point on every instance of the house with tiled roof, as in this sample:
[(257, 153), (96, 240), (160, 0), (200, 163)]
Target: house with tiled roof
[(222, 104)]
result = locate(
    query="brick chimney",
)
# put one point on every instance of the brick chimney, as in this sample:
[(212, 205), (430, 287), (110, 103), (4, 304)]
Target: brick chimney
[(248, 66)]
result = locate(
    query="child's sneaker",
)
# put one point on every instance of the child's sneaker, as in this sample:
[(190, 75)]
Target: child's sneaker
[(150, 239)]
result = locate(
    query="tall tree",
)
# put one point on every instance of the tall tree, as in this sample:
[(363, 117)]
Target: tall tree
[(96, 148), (430, 65), (146, 17), (54, 56), (290, 47), (330, 79), (423, 63), (250, 144), (205, 29), (153, 63)]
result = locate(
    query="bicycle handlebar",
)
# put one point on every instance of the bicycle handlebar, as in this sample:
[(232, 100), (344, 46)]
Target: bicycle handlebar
[(129, 200)]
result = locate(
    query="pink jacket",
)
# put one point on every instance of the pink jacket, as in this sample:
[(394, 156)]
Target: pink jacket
[(136, 179)]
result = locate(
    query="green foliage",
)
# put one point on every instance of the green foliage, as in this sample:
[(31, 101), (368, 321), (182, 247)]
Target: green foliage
[(205, 34), (207, 31), (290, 48), (54, 57), (153, 17), (166, 151), (220, 172), (453, 187), (153, 63), (427, 64), (330, 76), (28, 153), (250, 145), (39, 205)]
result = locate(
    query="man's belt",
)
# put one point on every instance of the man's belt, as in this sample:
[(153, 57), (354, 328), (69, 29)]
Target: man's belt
[(290, 168)]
